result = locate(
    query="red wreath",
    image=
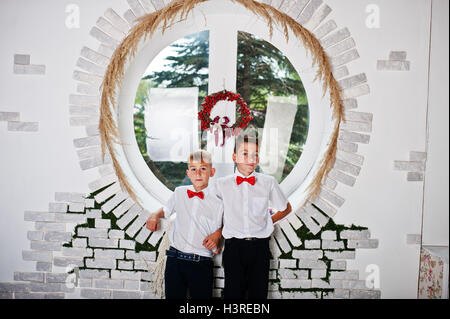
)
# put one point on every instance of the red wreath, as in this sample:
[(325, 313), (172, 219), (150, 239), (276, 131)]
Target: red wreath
[(207, 122), (211, 100)]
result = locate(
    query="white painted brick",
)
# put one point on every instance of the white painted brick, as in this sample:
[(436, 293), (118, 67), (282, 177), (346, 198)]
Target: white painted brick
[(290, 233), (45, 245), (68, 261), (58, 236), (86, 141), (96, 293), (355, 234), (35, 235), (104, 263), (340, 255), (332, 244), (117, 20), (414, 177), (122, 294), (347, 146), (143, 235), (342, 177), (363, 243), (365, 294), (335, 38), (308, 11), (109, 253), (348, 136), (94, 273), (29, 276), (102, 182), (115, 190), (56, 278), (409, 166), (325, 29), (292, 274), (322, 12), (43, 266), (417, 156), (22, 59), (90, 78), (385, 65), (127, 265), (326, 208), (340, 48), (332, 197), (312, 244), (103, 37), (103, 242), (131, 285), (30, 216), (116, 234), (76, 207), (79, 242), (92, 232), (397, 55), (340, 72), (9, 116), (108, 283), (329, 234), (93, 213), (311, 264), (356, 91), (127, 244), (319, 283), (352, 81), (71, 217), (288, 263), (79, 252), (31, 69), (318, 273), (356, 126), (307, 254), (347, 275), (295, 283), (102, 223), (57, 207)]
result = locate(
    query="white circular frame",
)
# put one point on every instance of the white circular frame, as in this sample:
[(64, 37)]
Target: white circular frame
[(150, 190)]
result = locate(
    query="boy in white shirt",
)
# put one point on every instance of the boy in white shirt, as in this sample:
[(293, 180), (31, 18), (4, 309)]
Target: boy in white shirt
[(195, 233), (248, 224)]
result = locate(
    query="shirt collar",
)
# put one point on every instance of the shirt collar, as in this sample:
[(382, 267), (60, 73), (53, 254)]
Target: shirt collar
[(237, 173), (205, 190)]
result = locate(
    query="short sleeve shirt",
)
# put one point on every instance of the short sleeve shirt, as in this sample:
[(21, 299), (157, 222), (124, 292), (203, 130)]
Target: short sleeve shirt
[(246, 206), (195, 219)]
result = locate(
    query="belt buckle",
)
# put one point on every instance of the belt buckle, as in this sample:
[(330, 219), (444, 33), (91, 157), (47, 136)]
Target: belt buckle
[(196, 258)]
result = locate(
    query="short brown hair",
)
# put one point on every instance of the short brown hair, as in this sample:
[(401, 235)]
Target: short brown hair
[(200, 156), (245, 139)]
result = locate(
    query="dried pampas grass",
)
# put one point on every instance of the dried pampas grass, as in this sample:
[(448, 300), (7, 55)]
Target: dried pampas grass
[(164, 18)]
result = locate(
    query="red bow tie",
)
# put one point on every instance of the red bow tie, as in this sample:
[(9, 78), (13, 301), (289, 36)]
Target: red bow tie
[(192, 194), (250, 180)]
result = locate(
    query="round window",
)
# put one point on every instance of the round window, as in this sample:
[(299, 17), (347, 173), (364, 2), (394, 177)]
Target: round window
[(175, 83)]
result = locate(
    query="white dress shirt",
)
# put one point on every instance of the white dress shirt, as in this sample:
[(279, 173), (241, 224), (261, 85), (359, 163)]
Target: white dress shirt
[(195, 219), (246, 206)]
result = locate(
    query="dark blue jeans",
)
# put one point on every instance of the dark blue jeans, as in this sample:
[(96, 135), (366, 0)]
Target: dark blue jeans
[(182, 276)]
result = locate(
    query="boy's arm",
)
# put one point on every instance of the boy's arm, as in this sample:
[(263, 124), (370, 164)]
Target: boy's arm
[(153, 220), (281, 214), (279, 201), (212, 241)]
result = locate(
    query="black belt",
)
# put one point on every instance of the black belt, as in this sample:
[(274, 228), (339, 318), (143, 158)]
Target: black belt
[(173, 252), (249, 238)]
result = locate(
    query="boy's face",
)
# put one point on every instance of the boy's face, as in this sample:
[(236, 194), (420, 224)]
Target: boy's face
[(246, 158), (199, 173)]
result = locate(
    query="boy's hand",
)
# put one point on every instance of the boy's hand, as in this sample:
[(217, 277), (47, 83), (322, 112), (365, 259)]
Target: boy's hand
[(153, 222), (212, 241)]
